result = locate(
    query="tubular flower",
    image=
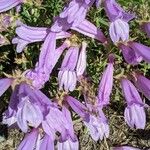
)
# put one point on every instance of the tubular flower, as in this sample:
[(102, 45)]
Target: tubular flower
[(78, 107), (46, 143), (8, 4), (119, 28), (141, 50), (130, 55), (114, 11), (69, 140), (27, 35), (72, 15), (134, 113), (29, 141), (68, 145), (24, 108), (146, 28), (30, 108), (93, 118), (81, 64), (47, 61), (98, 125), (67, 75), (88, 29), (106, 83), (143, 84)]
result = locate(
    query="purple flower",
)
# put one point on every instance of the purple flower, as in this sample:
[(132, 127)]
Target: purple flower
[(114, 11), (98, 125), (72, 15), (70, 131), (90, 30), (119, 30), (26, 107), (130, 55), (8, 4), (5, 83), (106, 83), (143, 84), (31, 108), (28, 113), (81, 64), (78, 107), (67, 75), (141, 50), (57, 118), (46, 143), (34, 140), (29, 141), (68, 145), (134, 113), (47, 60), (146, 27), (93, 118), (27, 35), (68, 140), (9, 116), (125, 148)]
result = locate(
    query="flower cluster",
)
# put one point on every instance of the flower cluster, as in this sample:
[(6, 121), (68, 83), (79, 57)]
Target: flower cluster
[(47, 122)]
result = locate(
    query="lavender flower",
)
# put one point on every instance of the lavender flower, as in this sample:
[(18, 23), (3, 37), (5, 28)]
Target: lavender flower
[(29, 141), (134, 113), (67, 75), (90, 30), (141, 50), (81, 64), (106, 83), (98, 125), (78, 107), (114, 11), (27, 35), (125, 148), (46, 143), (8, 4), (23, 103), (143, 84), (26, 107), (68, 145), (47, 60), (57, 118), (146, 27), (130, 55), (119, 28), (31, 108), (93, 118), (68, 141), (72, 15)]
